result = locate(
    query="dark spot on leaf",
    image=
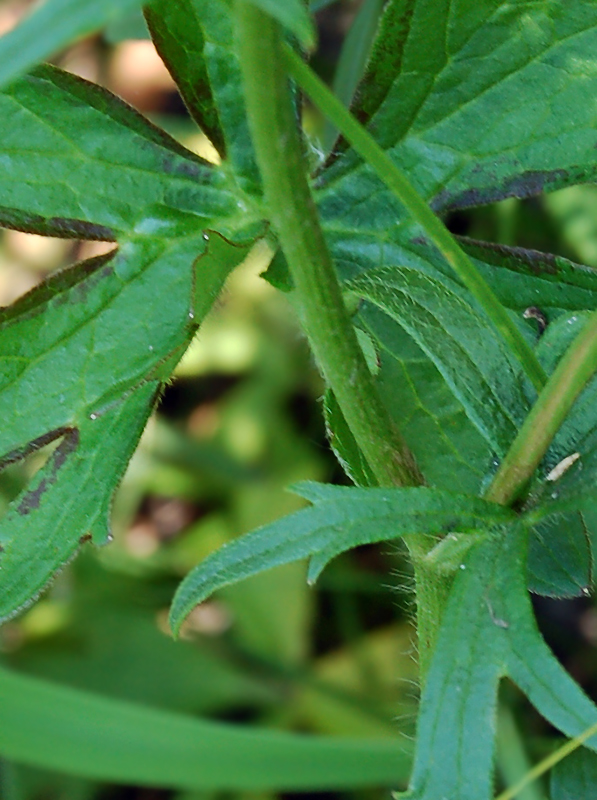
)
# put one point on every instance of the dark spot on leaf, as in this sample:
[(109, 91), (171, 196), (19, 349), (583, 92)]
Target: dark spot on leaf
[(57, 288), (61, 227), (518, 258), (173, 165), (87, 537), (532, 312), (21, 453), (528, 184), (31, 500)]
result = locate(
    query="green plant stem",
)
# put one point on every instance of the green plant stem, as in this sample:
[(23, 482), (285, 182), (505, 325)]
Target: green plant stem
[(571, 375), (400, 186), (294, 217), (327, 323)]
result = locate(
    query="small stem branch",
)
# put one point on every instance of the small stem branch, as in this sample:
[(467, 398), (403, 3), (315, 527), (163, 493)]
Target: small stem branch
[(576, 368), (293, 214), (400, 186)]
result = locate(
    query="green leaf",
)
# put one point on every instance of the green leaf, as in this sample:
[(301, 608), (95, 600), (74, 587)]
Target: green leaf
[(80, 733), (383, 64), (177, 33), (450, 450), (561, 557), (53, 25), (575, 777), (68, 374), (344, 445), (562, 547), (475, 364), (523, 72), (527, 278), (340, 518), (76, 161), (195, 39), (488, 631), (423, 97), (293, 15)]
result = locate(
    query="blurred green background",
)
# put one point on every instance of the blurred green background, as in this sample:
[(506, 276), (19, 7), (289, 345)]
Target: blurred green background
[(239, 423)]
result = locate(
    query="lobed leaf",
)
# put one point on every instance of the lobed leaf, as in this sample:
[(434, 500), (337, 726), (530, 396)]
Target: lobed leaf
[(78, 162), (523, 71), (424, 90), (339, 519), (420, 95), (488, 632), (196, 40), (67, 374)]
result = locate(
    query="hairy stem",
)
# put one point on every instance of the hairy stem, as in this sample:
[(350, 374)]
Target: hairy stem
[(280, 156), (293, 214), (400, 186), (576, 368)]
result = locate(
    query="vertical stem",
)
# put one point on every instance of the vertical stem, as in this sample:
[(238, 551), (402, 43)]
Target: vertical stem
[(293, 214)]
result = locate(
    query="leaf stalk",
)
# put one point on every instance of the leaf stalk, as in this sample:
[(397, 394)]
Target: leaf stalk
[(575, 369)]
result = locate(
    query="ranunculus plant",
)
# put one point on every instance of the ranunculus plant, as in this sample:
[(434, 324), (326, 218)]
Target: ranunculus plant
[(461, 398)]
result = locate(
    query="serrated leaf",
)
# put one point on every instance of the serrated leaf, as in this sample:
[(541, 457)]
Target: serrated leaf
[(195, 38), (522, 71), (575, 777), (423, 97), (340, 518), (113, 741), (488, 632), (76, 161), (76, 364), (51, 26)]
